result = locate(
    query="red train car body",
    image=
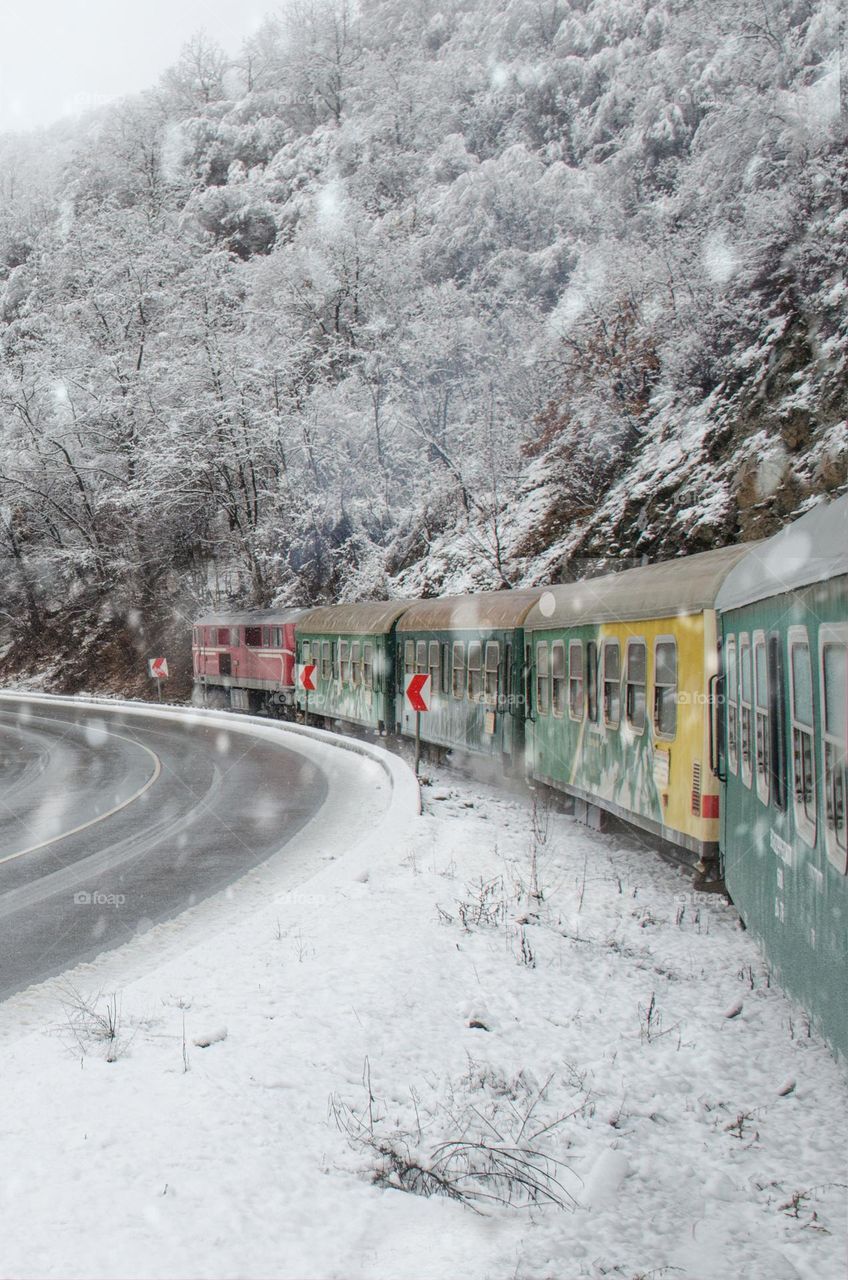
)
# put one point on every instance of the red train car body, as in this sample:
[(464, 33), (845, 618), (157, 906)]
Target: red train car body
[(246, 660)]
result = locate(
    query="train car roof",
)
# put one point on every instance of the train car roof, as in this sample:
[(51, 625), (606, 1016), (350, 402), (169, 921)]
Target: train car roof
[(250, 618), (811, 549), (370, 617), (667, 589), (488, 610)]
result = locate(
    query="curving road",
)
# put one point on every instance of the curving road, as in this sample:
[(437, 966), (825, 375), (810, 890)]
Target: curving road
[(111, 822)]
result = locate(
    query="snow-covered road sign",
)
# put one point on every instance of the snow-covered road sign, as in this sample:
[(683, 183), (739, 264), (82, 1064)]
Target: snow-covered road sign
[(418, 692), (157, 668), (305, 676)]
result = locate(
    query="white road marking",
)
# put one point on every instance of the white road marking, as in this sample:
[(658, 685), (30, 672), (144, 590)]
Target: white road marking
[(157, 769)]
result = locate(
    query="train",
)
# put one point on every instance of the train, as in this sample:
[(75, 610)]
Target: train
[(702, 699)]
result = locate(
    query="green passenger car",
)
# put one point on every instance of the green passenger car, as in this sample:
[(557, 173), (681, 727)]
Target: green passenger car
[(353, 649), (784, 630), (472, 649)]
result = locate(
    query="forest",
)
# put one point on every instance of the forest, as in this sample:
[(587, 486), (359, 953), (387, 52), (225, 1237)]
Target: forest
[(409, 299)]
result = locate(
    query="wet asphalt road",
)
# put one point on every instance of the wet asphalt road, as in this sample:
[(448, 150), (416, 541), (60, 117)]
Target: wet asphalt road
[(110, 823)]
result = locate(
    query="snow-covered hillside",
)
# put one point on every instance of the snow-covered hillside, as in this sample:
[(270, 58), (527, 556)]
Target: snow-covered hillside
[(404, 298)]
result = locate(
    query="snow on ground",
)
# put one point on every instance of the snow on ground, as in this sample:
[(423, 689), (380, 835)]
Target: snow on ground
[(608, 1053)]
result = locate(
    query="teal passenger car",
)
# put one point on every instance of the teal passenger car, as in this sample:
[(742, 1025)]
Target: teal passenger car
[(472, 648), (353, 649), (784, 657)]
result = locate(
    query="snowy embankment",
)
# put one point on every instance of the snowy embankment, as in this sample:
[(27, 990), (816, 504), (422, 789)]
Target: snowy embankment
[(484, 1001)]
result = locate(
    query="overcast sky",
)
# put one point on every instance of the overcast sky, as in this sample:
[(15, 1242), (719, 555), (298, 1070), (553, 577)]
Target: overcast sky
[(60, 56)]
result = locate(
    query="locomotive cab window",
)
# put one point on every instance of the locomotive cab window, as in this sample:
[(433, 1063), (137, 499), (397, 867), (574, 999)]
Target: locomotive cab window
[(746, 749), (253, 637), (223, 636), (458, 667), (803, 751), (368, 664), (558, 678), (475, 670), (493, 662), (762, 731), (542, 679), (665, 688), (575, 679), (834, 688), (612, 683), (731, 686), (636, 684)]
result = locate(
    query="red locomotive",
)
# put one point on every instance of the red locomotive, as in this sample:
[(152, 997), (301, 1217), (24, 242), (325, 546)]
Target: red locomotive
[(246, 660)]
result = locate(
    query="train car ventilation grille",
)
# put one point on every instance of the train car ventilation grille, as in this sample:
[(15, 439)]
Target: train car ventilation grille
[(696, 789)]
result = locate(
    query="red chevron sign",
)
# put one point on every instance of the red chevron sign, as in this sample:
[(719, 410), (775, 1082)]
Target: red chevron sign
[(418, 692), (157, 668), (305, 672)]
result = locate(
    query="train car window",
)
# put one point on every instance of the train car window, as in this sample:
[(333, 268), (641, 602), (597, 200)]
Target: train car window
[(458, 669), (434, 662), (493, 662), (326, 660), (612, 684), (409, 657), (266, 637), (542, 674), (223, 636), (421, 657), (368, 664), (475, 670), (731, 686), (575, 679), (762, 731), (834, 680), (592, 681), (306, 652), (665, 688), (253, 637), (636, 695), (445, 668), (343, 669), (355, 662), (508, 676), (745, 712), (803, 754), (777, 715), (558, 694), (277, 637)]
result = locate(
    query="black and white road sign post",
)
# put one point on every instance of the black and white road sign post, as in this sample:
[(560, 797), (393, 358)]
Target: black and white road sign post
[(157, 669), (418, 696), (306, 680)]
